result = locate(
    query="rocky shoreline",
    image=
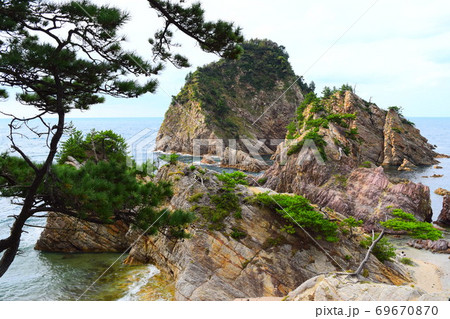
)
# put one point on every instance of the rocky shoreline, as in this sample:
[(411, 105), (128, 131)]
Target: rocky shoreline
[(331, 152), (212, 265)]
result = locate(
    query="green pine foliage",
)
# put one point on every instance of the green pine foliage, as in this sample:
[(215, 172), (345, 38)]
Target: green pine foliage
[(316, 138), (297, 210), (383, 250), (104, 145), (320, 115), (230, 180), (172, 159), (15, 176), (348, 224), (225, 202), (63, 56), (407, 222), (105, 189), (101, 191)]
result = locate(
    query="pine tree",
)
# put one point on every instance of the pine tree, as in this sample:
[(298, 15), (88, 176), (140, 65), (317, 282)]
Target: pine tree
[(65, 56)]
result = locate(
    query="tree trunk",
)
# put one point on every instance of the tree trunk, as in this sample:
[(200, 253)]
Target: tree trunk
[(10, 246), (369, 251)]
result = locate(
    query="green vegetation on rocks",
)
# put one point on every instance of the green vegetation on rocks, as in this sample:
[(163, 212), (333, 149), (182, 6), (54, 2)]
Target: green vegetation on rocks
[(103, 189), (383, 250), (225, 202), (314, 114), (297, 211), (406, 222)]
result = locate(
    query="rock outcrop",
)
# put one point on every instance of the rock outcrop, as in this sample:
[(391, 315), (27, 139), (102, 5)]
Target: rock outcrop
[(322, 288), (242, 161), (438, 246), (245, 255), (403, 142), (407, 166), (240, 99), (261, 261), (444, 216), (351, 134), (70, 235), (442, 192)]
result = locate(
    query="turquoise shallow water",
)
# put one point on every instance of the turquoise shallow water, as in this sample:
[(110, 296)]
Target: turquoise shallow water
[(49, 276)]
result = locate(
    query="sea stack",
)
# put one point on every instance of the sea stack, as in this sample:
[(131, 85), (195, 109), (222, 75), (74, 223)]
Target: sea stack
[(241, 101)]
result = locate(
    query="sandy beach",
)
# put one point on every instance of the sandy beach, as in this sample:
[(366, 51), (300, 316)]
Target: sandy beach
[(431, 271)]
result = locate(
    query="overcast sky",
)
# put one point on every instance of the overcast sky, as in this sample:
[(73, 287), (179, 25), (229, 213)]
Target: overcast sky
[(397, 52)]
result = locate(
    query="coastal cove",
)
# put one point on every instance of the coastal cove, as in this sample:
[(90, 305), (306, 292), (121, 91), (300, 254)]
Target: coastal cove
[(53, 276)]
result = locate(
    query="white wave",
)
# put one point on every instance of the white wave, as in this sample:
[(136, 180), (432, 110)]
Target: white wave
[(140, 279)]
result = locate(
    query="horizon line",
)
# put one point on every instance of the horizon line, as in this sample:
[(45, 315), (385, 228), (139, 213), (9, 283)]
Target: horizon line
[(158, 117)]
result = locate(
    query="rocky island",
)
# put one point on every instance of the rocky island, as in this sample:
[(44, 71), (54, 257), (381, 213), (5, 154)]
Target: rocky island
[(222, 101)]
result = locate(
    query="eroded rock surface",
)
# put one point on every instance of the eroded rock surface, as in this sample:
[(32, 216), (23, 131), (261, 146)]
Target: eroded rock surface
[(373, 138), (262, 260), (323, 288), (242, 161), (69, 234), (212, 265), (444, 216), (439, 246)]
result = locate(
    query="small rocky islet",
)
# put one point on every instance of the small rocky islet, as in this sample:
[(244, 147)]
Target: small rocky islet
[(239, 248)]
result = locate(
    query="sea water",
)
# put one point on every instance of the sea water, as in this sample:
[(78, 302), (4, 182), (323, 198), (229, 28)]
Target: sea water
[(36, 275)]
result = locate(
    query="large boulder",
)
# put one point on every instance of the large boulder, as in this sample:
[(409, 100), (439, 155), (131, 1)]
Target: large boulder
[(70, 234), (340, 288), (438, 246)]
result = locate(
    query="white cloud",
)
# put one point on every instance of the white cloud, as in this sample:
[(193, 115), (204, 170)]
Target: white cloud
[(398, 53)]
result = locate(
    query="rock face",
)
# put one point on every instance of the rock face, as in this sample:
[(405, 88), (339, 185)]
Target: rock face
[(364, 136), (323, 288), (69, 234), (438, 246), (365, 193), (265, 261), (403, 141), (243, 161), (444, 216), (407, 166), (223, 100)]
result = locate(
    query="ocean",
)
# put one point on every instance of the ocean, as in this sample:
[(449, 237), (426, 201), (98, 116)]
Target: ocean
[(37, 275)]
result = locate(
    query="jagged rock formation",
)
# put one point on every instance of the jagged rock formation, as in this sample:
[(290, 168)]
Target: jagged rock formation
[(444, 216), (222, 101), (243, 161), (351, 133), (322, 288), (265, 261), (244, 257), (69, 234)]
